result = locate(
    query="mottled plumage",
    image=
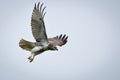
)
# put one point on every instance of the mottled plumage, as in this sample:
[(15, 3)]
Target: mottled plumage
[(43, 43)]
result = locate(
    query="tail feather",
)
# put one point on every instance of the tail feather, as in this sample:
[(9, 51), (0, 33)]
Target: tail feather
[(26, 45)]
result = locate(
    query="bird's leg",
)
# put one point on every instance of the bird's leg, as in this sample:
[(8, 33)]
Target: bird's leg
[(31, 58), (33, 52)]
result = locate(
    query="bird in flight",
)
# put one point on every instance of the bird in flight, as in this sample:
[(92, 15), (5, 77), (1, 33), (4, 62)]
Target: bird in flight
[(43, 43)]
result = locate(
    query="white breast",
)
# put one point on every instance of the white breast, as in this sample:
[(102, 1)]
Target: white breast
[(35, 49)]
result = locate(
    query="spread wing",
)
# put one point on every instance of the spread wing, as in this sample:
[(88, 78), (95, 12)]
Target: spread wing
[(37, 23), (58, 40)]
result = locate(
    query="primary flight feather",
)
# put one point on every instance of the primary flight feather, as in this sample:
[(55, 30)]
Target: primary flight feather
[(43, 43)]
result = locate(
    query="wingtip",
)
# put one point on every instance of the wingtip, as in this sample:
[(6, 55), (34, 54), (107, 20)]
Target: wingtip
[(38, 5), (63, 38), (35, 6), (60, 36), (41, 6)]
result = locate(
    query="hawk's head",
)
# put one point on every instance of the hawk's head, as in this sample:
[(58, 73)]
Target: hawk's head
[(52, 47)]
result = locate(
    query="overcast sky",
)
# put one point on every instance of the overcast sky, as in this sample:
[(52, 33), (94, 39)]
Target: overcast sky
[(92, 51)]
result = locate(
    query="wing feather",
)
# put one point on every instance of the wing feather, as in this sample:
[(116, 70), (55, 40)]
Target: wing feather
[(38, 25), (58, 40)]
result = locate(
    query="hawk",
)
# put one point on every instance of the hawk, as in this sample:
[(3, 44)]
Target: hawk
[(43, 43)]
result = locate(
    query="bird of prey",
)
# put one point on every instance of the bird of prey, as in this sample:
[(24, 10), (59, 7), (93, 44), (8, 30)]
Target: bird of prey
[(43, 43)]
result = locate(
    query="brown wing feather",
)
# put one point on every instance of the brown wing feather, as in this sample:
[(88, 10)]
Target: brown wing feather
[(37, 23), (58, 40)]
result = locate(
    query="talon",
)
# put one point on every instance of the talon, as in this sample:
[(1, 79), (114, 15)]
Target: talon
[(31, 58)]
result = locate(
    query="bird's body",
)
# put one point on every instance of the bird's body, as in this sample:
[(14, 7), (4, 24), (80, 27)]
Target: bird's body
[(43, 43)]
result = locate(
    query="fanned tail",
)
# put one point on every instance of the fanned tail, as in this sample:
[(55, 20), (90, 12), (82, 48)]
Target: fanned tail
[(26, 45)]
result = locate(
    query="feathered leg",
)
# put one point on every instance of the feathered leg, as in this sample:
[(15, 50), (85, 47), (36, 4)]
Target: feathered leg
[(34, 52)]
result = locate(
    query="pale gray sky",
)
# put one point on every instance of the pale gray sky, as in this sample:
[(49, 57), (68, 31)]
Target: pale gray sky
[(92, 51)]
